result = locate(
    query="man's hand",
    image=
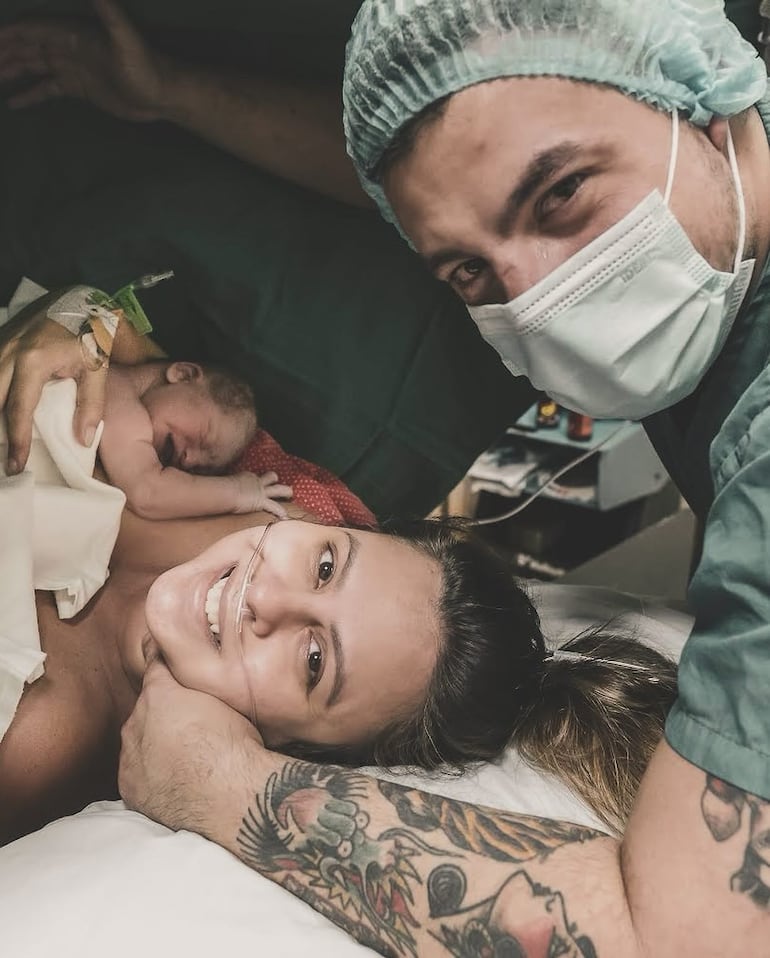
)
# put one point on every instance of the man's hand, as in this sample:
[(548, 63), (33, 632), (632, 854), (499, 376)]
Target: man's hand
[(111, 68), (182, 753), (33, 351)]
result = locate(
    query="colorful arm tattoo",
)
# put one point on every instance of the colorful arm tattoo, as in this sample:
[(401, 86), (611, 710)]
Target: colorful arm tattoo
[(416, 882), (310, 831)]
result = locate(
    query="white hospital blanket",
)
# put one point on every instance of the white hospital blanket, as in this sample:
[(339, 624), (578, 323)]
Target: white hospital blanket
[(58, 526), (21, 658), (75, 518)]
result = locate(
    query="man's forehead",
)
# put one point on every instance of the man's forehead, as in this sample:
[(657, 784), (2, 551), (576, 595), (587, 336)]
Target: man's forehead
[(546, 101)]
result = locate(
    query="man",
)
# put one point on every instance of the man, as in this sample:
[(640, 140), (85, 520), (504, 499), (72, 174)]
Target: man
[(689, 877)]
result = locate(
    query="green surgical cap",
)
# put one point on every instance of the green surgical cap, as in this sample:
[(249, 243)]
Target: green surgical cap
[(404, 55)]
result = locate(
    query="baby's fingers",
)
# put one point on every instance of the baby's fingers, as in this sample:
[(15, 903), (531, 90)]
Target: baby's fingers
[(275, 509), (278, 491), (268, 478)]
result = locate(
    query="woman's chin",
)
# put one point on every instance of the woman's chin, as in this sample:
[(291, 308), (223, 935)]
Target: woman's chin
[(174, 610)]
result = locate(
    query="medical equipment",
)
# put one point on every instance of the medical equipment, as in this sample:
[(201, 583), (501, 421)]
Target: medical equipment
[(580, 428), (492, 520)]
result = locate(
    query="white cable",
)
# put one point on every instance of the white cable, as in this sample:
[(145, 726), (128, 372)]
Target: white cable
[(491, 520)]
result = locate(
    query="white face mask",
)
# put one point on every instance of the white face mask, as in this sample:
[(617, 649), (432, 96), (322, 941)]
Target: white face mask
[(630, 324)]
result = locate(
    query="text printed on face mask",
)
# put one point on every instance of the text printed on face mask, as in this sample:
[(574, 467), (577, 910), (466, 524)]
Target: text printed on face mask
[(636, 267)]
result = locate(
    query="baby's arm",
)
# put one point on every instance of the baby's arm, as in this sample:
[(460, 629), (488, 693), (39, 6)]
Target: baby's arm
[(157, 492)]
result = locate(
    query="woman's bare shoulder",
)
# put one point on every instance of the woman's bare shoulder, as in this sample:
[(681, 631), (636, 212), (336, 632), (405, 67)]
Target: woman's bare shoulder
[(59, 753)]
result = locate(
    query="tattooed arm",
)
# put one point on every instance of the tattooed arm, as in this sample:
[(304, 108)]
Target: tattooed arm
[(409, 873)]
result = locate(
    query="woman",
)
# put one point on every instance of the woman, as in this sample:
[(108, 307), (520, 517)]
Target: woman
[(414, 646), (323, 603)]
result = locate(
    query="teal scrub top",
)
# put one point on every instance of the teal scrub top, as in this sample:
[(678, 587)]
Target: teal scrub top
[(721, 719), (682, 435)]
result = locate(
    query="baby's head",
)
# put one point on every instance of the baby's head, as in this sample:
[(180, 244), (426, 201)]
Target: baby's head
[(203, 417)]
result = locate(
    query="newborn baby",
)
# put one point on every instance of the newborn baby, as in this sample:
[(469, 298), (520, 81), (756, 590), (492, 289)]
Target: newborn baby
[(171, 429)]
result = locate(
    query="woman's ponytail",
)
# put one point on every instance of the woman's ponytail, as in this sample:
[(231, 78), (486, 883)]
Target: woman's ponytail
[(594, 717)]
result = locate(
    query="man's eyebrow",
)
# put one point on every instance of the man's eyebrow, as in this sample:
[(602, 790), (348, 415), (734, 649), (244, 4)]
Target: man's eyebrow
[(541, 168), (339, 655)]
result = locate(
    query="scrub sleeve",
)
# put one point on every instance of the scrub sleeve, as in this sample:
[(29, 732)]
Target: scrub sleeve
[(721, 719)]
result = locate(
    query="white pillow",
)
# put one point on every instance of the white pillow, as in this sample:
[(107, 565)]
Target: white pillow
[(109, 882)]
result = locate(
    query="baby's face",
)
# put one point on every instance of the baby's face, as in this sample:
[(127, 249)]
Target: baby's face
[(194, 433)]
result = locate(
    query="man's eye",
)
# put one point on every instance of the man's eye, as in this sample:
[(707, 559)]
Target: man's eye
[(326, 565), (559, 194), (467, 272), (315, 662)]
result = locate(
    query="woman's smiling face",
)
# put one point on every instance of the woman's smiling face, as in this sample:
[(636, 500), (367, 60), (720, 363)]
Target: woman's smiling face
[(339, 636)]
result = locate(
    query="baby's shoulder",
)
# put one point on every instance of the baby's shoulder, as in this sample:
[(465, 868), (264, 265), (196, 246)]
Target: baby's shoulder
[(124, 411)]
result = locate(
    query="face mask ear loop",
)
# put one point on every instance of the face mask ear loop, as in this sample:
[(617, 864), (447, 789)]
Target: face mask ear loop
[(672, 156), (741, 202)]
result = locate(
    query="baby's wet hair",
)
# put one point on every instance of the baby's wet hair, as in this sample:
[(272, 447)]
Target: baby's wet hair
[(227, 389)]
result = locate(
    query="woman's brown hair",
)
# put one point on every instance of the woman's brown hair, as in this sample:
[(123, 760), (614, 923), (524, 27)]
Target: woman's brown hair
[(593, 720)]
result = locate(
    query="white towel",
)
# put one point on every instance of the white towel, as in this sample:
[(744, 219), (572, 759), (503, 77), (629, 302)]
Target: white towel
[(75, 517), (21, 658), (26, 292), (58, 526)]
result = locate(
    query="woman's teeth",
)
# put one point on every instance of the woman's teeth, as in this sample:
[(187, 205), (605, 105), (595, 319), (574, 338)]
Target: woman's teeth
[(212, 603)]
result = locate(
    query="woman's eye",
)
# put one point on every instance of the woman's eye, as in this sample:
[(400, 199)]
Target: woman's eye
[(464, 274), (326, 565), (315, 662)]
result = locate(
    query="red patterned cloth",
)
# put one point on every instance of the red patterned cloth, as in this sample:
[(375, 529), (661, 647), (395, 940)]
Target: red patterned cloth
[(315, 489)]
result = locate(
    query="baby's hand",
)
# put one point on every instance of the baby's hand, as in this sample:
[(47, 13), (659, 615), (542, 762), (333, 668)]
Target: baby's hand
[(258, 493)]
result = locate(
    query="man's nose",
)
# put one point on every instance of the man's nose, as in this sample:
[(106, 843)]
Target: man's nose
[(521, 265)]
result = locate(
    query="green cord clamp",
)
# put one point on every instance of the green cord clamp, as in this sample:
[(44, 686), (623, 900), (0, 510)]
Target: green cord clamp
[(125, 299)]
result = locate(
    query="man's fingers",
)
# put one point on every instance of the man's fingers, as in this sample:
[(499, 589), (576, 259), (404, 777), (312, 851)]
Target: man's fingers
[(16, 64), (90, 404), (31, 46), (47, 89), (157, 674), (19, 38), (115, 22)]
